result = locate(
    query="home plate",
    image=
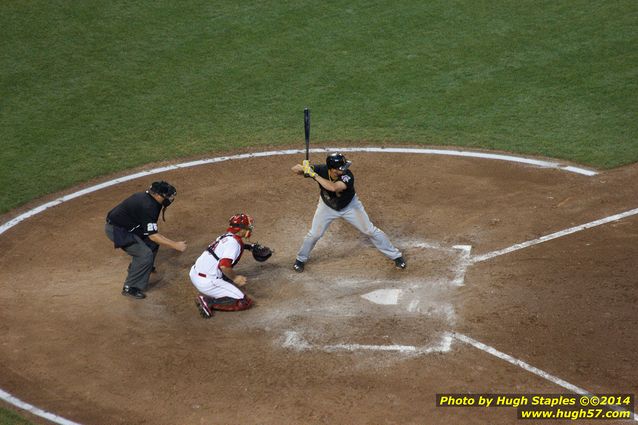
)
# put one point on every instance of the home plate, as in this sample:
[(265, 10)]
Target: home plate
[(408, 314), (383, 296)]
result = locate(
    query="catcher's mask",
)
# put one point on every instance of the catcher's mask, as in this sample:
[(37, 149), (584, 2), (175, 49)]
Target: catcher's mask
[(337, 161), (239, 222), (167, 191)]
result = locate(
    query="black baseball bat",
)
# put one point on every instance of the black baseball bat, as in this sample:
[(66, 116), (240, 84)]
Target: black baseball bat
[(306, 123)]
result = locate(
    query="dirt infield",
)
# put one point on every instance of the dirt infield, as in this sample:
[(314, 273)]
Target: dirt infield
[(351, 340)]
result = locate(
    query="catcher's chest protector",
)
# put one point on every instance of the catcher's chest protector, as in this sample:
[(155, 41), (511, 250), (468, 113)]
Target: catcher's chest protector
[(211, 247)]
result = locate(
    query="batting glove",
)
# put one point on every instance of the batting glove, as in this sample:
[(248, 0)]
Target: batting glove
[(308, 171)]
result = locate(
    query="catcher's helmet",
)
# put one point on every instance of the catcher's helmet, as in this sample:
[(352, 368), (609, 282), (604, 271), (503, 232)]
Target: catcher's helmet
[(338, 161), (239, 222)]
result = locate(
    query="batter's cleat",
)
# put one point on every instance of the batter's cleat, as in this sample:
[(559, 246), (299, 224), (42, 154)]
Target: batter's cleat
[(131, 291), (298, 266), (202, 306), (399, 263)]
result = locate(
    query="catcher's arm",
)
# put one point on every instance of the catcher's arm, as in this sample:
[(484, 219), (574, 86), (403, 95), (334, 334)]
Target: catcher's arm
[(227, 268)]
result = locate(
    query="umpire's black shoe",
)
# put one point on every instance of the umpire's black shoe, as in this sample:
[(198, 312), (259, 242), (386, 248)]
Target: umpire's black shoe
[(131, 291), (298, 266), (399, 263)]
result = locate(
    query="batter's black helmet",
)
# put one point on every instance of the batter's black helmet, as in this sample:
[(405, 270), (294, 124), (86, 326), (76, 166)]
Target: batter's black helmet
[(338, 161)]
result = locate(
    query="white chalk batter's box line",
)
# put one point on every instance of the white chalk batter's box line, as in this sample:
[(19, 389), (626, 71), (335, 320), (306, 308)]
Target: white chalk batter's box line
[(538, 163), (294, 341)]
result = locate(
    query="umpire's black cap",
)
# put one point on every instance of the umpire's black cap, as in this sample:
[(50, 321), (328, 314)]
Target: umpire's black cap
[(163, 188)]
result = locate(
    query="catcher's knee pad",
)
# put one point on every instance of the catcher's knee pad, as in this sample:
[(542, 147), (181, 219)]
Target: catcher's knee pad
[(230, 304)]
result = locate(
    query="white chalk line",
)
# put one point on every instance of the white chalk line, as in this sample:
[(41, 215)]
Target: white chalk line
[(464, 263), (523, 245), (5, 396), (526, 366), (293, 340), (494, 352), (516, 247), (15, 221), (500, 157), (543, 164), (444, 346)]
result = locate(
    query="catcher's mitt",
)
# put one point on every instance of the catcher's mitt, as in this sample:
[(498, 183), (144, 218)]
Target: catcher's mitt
[(261, 252)]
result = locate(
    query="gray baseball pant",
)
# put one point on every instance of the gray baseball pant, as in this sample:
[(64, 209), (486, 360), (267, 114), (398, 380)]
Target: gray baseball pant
[(143, 258), (354, 214)]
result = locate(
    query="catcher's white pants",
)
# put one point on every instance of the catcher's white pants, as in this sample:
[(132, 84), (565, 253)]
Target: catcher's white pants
[(214, 287), (354, 214)]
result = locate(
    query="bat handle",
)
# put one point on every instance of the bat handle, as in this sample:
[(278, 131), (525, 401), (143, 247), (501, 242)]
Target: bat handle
[(306, 120)]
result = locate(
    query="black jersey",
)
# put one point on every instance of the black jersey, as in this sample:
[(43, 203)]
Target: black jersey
[(340, 200), (137, 214)]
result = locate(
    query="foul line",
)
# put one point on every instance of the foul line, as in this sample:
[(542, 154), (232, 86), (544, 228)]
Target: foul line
[(546, 238), (293, 340), (536, 371), (526, 366)]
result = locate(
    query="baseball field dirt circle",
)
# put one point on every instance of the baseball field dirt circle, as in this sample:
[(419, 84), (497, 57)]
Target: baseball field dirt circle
[(488, 303)]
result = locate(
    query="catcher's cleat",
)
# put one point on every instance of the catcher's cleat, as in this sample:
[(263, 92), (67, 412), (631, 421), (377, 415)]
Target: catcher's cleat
[(131, 291), (399, 263), (298, 266), (202, 306)]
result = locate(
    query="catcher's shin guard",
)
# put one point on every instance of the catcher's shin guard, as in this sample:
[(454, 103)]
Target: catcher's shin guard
[(230, 304)]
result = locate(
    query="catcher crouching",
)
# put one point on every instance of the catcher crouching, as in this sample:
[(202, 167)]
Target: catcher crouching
[(213, 274)]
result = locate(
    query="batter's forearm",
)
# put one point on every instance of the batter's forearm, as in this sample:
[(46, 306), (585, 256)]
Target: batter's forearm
[(328, 185)]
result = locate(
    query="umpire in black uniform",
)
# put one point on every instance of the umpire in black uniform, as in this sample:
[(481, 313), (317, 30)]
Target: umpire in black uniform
[(132, 226)]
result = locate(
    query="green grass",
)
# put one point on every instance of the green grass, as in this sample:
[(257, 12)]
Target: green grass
[(90, 88), (8, 417)]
